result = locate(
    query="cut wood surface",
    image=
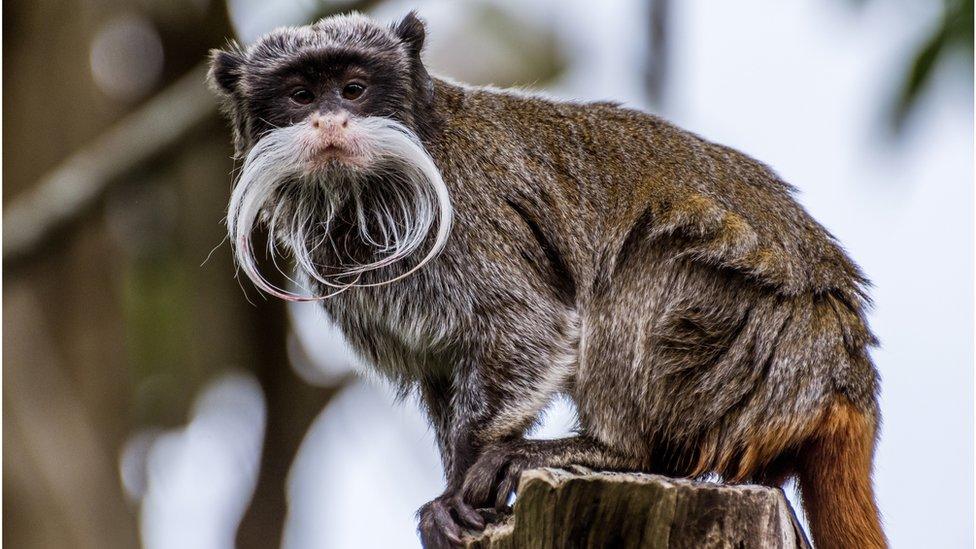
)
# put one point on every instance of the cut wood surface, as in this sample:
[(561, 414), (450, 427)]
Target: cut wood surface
[(557, 508)]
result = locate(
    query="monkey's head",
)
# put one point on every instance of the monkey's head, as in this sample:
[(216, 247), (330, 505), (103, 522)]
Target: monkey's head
[(330, 121)]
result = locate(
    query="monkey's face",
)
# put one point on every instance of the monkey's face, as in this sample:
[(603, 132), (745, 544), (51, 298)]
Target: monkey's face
[(329, 119), (338, 70)]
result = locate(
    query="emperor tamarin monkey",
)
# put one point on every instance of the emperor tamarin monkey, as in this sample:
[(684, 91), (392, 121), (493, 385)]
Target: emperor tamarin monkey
[(490, 249)]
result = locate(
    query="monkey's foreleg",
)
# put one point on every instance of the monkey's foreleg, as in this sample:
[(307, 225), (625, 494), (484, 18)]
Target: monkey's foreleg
[(496, 473), (485, 404), (440, 520)]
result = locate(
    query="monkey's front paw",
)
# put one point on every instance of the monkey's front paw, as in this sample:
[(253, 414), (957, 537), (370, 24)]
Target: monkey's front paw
[(441, 521), (497, 472)]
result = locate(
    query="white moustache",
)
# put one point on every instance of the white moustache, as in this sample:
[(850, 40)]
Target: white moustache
[(417, 199)]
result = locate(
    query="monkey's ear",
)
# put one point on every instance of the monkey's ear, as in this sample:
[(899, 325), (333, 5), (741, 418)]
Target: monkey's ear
[(225, 68), (412, 31)]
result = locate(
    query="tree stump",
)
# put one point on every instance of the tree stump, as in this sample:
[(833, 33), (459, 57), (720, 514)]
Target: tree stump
[(558, 509)]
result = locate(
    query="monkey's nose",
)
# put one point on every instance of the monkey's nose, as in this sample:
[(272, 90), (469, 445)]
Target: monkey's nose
[(331, 120)]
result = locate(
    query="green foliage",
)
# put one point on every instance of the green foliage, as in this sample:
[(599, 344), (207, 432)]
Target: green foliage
[(953, 34)]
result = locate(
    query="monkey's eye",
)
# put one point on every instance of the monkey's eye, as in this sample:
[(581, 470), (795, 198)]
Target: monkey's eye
[(353, 90), (302, 96)]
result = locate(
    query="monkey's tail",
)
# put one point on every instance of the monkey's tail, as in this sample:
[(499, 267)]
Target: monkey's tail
[(835, 481)]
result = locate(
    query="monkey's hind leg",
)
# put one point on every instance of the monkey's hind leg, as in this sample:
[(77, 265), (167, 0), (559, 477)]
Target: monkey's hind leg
[(496, 473), (834, 474)]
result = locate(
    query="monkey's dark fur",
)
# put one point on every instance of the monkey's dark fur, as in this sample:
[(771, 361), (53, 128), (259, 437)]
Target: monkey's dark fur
[(699, 318)]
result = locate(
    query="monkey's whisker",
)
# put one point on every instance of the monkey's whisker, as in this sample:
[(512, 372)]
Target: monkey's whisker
[(394, 222)]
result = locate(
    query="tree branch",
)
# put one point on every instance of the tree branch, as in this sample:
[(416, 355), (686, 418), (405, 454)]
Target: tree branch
[(71, 189)]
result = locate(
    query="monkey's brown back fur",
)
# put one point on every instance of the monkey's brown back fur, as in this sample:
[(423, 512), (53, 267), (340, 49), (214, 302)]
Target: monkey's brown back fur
[(674, 246), (721, 329)]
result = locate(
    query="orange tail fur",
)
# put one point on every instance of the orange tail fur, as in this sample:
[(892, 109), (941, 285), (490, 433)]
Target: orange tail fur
[(835, 481)]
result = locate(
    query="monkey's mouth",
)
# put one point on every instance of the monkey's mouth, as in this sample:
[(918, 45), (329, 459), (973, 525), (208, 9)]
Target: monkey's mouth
[(331, 155)]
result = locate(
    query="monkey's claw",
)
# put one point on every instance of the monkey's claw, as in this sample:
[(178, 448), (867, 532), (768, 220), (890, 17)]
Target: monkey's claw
[(496, 474), (442, 519)]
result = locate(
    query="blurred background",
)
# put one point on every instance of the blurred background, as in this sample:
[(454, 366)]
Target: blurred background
[(151, 399)]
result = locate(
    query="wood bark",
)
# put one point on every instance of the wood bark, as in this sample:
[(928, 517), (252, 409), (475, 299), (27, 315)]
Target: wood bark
[(556, 508)]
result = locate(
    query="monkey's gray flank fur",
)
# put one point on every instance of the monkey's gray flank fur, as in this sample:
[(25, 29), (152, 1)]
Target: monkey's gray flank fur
[(699, 318)]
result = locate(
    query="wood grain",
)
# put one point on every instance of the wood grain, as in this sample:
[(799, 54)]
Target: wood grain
[(585, 509)]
